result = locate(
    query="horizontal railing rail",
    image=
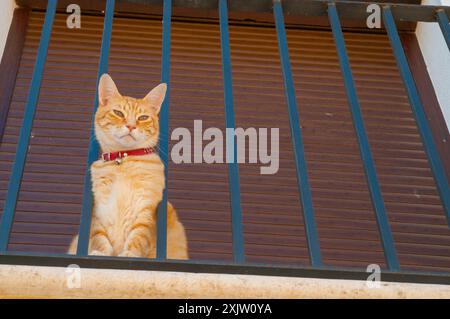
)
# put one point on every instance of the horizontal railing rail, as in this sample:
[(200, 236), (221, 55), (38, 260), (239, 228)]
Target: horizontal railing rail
[(335, 12), (291, 8)]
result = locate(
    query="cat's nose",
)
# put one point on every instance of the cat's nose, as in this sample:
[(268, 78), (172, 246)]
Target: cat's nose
[(131, 127)]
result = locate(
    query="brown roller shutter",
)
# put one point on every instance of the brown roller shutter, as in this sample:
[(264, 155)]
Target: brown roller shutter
[(48, 210)]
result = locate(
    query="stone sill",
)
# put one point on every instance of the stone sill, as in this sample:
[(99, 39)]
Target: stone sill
[(52, 282)]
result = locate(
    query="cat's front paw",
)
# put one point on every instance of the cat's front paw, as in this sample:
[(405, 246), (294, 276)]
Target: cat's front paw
[(128, 253)]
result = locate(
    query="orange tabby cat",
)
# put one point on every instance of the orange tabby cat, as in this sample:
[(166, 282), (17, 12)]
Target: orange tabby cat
[(126, 196)]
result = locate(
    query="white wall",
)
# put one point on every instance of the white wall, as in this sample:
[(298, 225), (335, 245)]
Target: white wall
[(6, 14), (437, 58)]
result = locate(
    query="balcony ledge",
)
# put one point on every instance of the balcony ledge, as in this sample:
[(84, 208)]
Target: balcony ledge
[(52, 282)]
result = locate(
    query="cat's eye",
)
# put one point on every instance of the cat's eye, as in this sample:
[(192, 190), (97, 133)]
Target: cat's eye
[(119, 114), (143, 118)]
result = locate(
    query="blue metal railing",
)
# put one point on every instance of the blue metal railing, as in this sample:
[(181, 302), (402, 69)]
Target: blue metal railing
[(419, 114), (363, 141), (25, 130), (161, 248), (233, 170), (86, 212), (297, 140), (444, 24), (296, 132)]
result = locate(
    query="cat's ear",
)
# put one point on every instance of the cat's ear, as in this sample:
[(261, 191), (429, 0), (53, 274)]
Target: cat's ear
[(156, 96), (107, 89)]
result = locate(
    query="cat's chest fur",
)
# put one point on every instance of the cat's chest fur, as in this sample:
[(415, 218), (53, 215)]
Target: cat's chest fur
[(122, 191)]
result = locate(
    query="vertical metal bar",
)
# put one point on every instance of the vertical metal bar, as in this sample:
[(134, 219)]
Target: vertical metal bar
[(444, 24), (233, 169), (297, 141), (419, 114), (161, 248), (364, 148), (86, 212), (27, 124)]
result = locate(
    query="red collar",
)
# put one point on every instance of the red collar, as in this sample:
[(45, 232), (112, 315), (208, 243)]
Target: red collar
[(118, 156)]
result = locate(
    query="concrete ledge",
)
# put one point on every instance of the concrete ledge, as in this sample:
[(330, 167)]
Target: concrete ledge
[(53, 282)]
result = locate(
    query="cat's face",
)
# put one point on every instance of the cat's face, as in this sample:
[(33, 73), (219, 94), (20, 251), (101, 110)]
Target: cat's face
[(125, 123)]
